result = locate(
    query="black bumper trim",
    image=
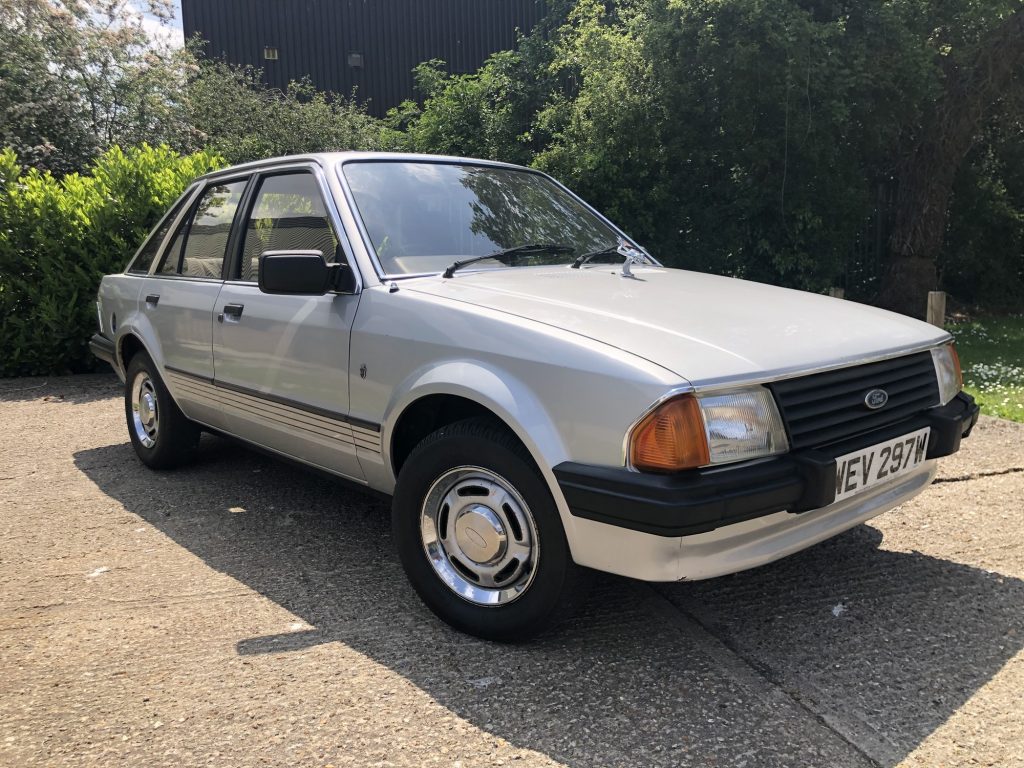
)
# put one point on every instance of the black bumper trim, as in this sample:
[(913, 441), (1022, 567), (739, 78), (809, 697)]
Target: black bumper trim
[(698, 501), (104, 349)]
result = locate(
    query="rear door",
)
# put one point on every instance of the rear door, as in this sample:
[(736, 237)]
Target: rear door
[(179, 295), (282, 362)]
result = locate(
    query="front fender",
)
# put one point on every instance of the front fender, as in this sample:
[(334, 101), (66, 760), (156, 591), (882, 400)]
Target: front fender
[(509, 398), (499, 391)]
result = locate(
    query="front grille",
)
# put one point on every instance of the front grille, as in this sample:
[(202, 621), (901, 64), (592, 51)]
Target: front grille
[(825, 407)]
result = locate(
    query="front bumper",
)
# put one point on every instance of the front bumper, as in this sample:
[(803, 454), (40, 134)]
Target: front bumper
[(698, 501)]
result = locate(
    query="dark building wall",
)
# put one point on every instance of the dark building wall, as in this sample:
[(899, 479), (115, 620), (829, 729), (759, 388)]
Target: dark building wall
[(316, 38)]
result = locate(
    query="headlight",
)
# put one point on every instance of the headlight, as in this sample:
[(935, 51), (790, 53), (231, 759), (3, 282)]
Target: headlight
[(947, 371), (694, 431), (741, 425)]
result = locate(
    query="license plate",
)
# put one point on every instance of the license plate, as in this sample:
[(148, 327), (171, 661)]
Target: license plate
[(868, 467)]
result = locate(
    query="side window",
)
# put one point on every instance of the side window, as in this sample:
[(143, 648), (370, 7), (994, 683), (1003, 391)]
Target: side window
[(201, 241), (171, 263), (288, 214), (207, 238), (144, 259)]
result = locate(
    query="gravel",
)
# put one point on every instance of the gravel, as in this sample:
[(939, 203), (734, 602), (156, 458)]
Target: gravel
[(244, 611)]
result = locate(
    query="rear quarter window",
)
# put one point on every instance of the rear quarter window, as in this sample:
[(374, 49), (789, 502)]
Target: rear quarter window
[(143, 259)]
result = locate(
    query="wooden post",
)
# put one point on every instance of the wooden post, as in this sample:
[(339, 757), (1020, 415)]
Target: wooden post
[(837, 292), (936, 308)]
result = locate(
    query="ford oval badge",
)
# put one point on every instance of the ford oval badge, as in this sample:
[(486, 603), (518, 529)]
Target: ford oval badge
[(876, 398)]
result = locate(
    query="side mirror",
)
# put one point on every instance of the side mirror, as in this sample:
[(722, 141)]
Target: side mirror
[(303, 273)]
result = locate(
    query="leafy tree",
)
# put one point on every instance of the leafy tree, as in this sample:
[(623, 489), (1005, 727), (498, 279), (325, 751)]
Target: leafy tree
[(875, 145), (606, 126), (488, 114), (978, 55), (982, 262), (231, 110), (81, 75), (803, 142)]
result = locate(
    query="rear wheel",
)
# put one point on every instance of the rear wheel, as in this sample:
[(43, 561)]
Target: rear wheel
[(160, 433), (480, 536)]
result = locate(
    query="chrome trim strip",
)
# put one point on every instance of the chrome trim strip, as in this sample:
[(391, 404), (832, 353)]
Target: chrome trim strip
[(368, 428), (287, 456), (799, 372), (189, 278), (291, 418), (254, 166), (188, 374), (681, 389)]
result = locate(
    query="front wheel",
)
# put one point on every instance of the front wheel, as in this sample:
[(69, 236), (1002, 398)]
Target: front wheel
[(480, 536)]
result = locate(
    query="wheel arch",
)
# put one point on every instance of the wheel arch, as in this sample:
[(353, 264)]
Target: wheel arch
[(128, 346), (429, 413), (454, 391), (464, 389), (136, 334)]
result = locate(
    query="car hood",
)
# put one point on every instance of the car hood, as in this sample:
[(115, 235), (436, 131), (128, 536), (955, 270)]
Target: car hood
[(707, 329)]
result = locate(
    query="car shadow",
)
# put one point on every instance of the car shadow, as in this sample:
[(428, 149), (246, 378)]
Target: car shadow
[(619, 684)]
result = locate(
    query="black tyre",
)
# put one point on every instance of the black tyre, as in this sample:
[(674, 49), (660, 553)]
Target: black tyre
[(479, 535), (160, 433)]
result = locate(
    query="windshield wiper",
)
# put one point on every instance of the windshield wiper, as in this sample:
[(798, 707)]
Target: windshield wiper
[(508, 254), (622, 248)]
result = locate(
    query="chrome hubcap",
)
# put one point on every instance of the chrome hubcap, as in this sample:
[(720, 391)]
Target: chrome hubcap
[(479, 536), (145, 415)]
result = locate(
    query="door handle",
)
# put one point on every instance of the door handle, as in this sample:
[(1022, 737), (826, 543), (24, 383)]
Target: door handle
[(153, 298), (232, 310)]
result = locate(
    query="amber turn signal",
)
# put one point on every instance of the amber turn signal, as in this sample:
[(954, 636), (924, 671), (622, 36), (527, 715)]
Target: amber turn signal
[(670, 438), (956, 366)]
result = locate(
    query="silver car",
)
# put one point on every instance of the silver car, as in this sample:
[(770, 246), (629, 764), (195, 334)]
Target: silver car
[(537, 392)]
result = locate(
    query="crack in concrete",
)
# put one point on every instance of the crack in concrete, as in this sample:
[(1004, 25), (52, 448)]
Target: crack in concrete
[(978, 475)]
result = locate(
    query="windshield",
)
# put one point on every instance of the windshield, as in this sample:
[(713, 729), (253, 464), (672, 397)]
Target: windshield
[(422, 216)]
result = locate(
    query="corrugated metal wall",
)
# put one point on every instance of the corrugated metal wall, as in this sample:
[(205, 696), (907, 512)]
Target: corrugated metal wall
[(315, 38)]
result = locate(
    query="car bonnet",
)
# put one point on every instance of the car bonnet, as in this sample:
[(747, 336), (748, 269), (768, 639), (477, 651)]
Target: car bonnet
[(710, 330)]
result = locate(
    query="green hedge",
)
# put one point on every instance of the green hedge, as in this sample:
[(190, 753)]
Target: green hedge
[(58, 237)]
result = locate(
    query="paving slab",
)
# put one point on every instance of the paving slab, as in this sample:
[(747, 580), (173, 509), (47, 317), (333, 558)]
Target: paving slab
[(905, 635), (244, 611)]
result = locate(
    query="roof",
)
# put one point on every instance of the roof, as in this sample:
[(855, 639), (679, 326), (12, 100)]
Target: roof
[(326, 159)]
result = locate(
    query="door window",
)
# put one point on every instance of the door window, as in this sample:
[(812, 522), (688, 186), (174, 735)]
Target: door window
[(288, 215), (201, 242)]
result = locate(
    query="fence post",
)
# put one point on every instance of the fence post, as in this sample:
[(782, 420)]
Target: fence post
[(936, 308)]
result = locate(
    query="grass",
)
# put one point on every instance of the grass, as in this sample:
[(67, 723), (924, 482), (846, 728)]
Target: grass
[(992, 356)]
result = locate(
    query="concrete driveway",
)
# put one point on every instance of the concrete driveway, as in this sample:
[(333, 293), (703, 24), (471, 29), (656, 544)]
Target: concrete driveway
[(243, 611)]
